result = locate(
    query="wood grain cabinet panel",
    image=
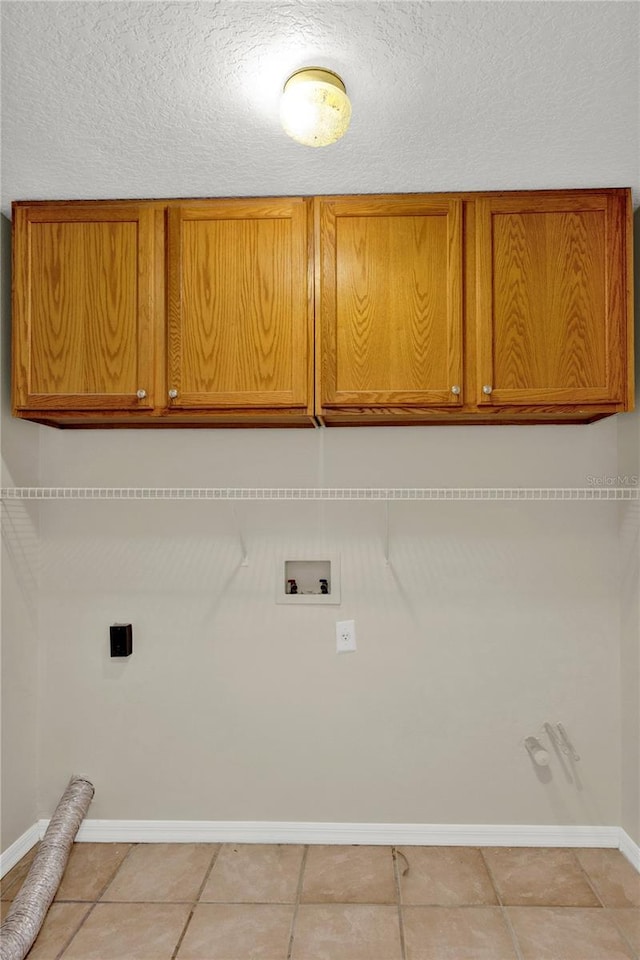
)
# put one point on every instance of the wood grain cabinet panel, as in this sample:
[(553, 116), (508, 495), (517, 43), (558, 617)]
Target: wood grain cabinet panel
[(552, 327), (83, 303), (390, 302), (437, 308), (240, 305)]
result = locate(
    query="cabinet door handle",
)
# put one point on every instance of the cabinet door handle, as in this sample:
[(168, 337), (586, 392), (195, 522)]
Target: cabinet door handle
[(141, 394), (173, 394), (487, 389), (455, 389)]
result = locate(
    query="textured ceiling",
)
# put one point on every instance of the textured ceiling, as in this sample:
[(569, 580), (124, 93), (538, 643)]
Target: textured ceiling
[(161, 99)]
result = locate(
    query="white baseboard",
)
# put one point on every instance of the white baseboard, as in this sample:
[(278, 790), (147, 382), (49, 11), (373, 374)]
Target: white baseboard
[(419, 834), (630, 849), (18, 848)]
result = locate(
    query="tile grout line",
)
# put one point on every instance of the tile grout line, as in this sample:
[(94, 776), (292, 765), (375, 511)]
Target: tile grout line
[(396, 876), (116, 871), (503, 909), (590, 882), (93, 905), (20, 878), (294, 918), (491, 877), (69, 939), (603, 906), (194, 903), (9, 898), (204, 903), (626, 940), (154, 903)]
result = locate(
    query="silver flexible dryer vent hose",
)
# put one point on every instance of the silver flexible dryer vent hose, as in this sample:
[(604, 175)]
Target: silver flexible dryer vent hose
[(23, 921)]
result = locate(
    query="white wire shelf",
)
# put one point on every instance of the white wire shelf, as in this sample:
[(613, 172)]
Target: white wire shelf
[(322, 493)]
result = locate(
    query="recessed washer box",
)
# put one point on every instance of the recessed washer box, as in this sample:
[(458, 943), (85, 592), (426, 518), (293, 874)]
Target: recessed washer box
[(306, 580)]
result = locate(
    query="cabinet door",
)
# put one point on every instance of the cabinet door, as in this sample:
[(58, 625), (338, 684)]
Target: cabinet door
[(552, 298), (82, 307), (390, 301), (240, 304)]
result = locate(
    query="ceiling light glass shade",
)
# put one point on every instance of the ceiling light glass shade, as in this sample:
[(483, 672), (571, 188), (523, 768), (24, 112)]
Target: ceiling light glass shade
[(315, 109)]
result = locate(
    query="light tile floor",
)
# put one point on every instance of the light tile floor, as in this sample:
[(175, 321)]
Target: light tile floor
[(283, 902)]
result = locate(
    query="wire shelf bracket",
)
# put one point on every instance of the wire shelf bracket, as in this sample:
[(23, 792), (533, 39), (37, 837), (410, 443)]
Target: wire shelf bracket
[(386, 534), (243, 546)]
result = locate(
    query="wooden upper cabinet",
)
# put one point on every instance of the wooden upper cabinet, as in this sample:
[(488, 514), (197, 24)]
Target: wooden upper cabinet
[(466, 307), (389, 325), (240, 305), (552, 299), (82, 307)]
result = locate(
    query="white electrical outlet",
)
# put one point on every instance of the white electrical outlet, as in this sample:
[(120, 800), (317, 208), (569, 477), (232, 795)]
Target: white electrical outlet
[(345, 636)]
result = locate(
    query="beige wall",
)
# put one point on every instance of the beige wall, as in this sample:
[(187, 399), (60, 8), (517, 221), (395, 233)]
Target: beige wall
[(630, 671), (491, 619), (629, 460), (19, 647)]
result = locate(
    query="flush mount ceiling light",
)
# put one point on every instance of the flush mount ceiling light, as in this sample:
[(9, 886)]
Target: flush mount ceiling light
[(315, 109)]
